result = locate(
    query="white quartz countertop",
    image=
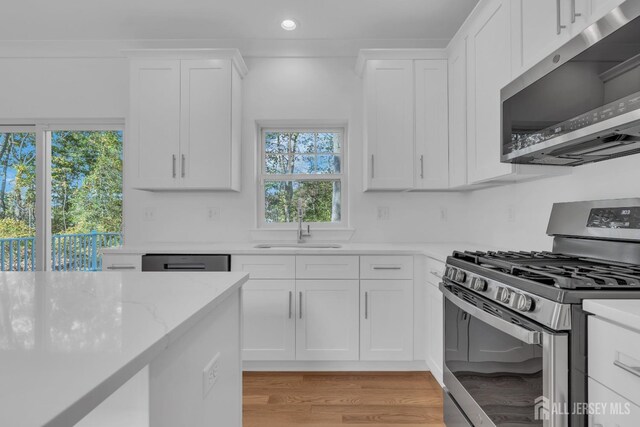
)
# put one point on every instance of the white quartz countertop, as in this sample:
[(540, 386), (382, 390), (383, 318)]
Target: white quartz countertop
[(438, 251), (68, 340), (623, 311)]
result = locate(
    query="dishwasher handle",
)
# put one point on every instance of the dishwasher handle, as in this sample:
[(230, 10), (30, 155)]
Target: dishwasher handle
[(185, 266)]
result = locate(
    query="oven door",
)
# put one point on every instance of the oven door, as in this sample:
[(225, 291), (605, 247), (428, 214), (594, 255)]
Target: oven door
[(501, 368)]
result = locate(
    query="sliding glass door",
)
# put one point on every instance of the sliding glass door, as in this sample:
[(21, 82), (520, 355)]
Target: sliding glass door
[(60, 196), (17, 199)]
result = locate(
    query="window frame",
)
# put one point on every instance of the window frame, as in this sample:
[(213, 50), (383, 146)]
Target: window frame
[(342, 177), (43, 128)]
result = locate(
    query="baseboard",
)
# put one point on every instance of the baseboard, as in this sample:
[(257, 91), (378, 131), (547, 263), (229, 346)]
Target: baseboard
[(322, 366)]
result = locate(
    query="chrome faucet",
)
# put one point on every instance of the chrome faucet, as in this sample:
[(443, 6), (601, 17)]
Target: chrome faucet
[(301, 233)]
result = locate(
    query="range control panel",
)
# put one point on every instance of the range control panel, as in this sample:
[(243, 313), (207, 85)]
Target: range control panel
[(627, 218)]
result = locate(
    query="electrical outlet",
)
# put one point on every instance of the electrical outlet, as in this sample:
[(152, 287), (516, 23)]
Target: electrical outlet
[(149, 214), (210, 375), (213, 214), (443, 213), (383, 213)]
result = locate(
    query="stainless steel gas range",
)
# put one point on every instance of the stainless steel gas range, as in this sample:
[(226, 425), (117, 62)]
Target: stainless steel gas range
[(515, 332)]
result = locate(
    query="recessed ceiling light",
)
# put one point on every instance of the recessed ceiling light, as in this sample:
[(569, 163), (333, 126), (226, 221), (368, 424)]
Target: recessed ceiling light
[(289, 25)]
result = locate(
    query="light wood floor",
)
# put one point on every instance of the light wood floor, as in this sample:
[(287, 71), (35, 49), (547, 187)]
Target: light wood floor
[(328, 399)]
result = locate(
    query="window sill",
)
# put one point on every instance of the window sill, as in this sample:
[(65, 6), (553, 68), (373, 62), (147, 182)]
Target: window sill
[(289, 234)]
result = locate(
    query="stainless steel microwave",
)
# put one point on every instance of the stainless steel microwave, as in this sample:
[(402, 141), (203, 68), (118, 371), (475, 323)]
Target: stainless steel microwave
[(581, 104)]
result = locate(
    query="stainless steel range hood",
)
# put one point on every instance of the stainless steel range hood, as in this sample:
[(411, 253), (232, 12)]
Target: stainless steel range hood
[(582, 103)]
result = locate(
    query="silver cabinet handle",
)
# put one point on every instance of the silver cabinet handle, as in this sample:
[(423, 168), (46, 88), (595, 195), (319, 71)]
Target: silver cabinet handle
[(422, 166), (573, 11), (372, 167), (366, 305), (386, 268), (437, 274), (559, 25), (182, 167), (290, 298), (633, 370), (300, 296), (121, 267), (173, 165)]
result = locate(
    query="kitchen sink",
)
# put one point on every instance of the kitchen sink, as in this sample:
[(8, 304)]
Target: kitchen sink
[(298, 245)]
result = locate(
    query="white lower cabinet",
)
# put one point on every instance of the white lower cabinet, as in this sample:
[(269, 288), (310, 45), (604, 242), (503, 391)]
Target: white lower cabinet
[(269, 320), (386, 320), (435, 327), (121, 262), (613, 409), (327, 320), (327, 308)]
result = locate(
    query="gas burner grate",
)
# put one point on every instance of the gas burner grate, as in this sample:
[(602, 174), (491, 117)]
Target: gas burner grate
[(558, 270), (598, 276)]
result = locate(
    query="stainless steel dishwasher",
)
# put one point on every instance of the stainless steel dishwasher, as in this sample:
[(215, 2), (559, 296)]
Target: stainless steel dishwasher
[(186, 262)]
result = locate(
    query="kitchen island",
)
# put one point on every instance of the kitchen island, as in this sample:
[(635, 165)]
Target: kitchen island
[(68, 341)]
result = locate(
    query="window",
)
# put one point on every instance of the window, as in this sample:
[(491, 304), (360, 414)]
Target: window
[(302, 164), (60, 196)]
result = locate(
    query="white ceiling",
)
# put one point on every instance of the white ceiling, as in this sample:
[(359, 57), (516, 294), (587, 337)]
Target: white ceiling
[(231, 19)]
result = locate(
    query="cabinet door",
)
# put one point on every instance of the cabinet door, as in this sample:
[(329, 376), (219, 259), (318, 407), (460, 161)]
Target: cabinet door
[(489, 70), (389, 119), (327, 320), (458, 114), (538, 27), (435, 331), (268, 327), (386, 320), (432, 133), (206, 150), (618, 412), (121, 262), (154, 123)]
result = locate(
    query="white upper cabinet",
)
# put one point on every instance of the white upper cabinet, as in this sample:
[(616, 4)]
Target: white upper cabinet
[(154, 122), (389, 124), (489, 70), (406, 130), (540, 26), (185, 119), (431, 125), (458, 113)]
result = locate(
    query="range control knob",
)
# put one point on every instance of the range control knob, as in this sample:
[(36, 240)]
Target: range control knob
[(503, 295), (524, 303), (478, 284), (450, 273), (461, 276)]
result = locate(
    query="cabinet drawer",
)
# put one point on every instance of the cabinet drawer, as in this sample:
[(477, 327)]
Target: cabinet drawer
[(618, 412), (435, 271), (265, 266), (327, 267), (118, 262), (386, 267), (614, 358)]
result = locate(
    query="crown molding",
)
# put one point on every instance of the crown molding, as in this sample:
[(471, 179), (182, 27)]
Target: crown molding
[(256, 48), (230, 54), (394, 54)]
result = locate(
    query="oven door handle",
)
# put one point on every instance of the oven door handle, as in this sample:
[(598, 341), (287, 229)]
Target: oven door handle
[(524, 335)]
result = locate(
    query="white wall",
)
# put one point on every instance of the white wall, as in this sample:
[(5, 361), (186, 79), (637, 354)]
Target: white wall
[(275, 89), (63, 88), (516, 216)]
